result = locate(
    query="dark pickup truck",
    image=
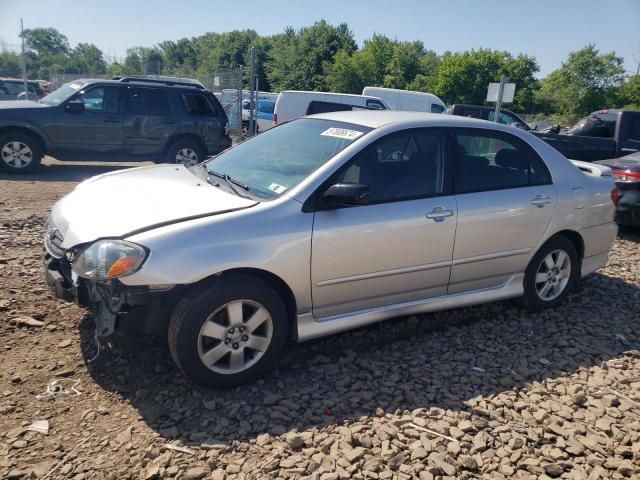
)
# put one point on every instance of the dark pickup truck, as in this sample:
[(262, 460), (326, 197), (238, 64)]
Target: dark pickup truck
[(124, 119), (618, 132)]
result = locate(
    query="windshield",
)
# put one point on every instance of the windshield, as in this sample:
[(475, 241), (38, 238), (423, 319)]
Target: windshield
[(276, 160), (61, 94)]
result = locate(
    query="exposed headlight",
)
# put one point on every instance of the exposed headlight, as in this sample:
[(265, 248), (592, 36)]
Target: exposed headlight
[(108, 259)]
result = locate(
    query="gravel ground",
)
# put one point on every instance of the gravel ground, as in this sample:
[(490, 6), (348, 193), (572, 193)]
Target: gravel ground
[(484, 392)]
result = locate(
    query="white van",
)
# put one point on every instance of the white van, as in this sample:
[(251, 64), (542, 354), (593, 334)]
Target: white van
[(407, 100), (292, 104)]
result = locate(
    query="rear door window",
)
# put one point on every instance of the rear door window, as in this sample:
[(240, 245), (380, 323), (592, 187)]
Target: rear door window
[(197, 104), (471, 112), (316, 106), (147, 101), (486, 161), (375, 105), (634, 128)]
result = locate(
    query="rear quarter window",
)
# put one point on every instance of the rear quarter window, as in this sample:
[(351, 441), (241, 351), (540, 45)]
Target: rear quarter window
[(197, 104)]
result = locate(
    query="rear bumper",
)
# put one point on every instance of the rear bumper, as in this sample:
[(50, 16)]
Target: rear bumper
[(598, 241), (628, 208)]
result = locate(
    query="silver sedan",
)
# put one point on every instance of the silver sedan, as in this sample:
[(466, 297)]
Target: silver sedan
[(325, 224)]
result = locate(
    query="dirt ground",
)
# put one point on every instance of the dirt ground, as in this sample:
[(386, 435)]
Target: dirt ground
[(484, 392)]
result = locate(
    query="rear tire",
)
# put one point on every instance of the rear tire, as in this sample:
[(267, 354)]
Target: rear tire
[(228, 333), (551, 274), (19, 153), (185, 152)]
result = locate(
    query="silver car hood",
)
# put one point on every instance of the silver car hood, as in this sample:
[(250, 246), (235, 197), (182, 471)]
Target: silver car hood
[(118, 203)]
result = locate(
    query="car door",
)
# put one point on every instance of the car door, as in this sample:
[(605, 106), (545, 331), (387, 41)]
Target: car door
[(505, 200), (94, 132), (398, 247), (148, 122)]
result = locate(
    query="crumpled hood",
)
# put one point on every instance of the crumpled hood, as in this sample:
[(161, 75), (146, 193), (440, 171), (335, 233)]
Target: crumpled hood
[(118, 203)]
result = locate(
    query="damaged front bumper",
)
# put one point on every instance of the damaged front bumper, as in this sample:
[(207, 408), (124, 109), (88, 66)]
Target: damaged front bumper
[(115, 306)]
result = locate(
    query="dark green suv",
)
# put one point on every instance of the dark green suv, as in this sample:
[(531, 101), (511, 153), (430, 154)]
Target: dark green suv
[(124, 119)]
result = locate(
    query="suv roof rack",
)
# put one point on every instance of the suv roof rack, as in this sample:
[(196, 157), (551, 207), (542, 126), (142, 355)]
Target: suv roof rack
[(163, 82)]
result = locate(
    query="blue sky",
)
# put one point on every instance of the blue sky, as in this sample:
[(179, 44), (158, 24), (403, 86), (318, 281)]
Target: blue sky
[(546, 29)]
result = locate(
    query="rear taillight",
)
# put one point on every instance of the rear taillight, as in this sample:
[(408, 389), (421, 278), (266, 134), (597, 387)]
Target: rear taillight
[(227, 130), (615, 195), (275, 119), (626, 176)]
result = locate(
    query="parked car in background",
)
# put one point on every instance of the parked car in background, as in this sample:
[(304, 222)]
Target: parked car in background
[(626, 174), (407, 100), (13, 89), (264, 114), (292, 104), (126, 119), (488, 113), (326, 224), (600, 136)]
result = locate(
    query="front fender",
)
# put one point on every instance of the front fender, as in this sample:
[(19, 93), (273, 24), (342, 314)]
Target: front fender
[(25, 125), (275, 239)]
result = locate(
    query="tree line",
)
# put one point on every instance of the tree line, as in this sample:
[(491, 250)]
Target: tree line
[(326, 57)]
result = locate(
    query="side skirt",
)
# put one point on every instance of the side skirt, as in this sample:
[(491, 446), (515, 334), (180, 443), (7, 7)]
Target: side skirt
[(310, 328)]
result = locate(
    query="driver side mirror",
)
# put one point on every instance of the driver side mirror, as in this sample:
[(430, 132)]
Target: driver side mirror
[(347, 194), (74, 106)]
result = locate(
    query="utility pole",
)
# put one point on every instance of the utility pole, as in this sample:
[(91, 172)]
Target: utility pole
[(252, 87), (496, 117), (24, 63)]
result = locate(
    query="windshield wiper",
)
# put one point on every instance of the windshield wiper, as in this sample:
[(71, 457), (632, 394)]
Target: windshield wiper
[(231, 182)]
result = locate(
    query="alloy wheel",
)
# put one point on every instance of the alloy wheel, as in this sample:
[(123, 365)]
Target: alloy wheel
[(235, 337), (187, 157), (16, 154), (553, 275)]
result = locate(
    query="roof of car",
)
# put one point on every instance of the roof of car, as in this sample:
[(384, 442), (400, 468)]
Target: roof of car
[(139, 82), (379, 118)]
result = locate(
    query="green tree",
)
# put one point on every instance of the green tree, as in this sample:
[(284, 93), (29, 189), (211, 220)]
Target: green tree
[(301, 60), (46, 42), (629, 93), (87, 58), (10, 64), (586, 81), (464, 77)]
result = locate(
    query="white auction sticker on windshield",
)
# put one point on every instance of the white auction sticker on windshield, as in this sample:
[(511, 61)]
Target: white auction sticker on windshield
[(341, 133), (274, 187)]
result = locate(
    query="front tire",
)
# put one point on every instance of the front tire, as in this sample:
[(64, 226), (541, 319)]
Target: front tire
[(551, 274), (185, 152), (19, 153), (228, 333)]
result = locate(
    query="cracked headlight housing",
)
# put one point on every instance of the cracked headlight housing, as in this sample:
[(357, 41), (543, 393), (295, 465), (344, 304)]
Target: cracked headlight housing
[(107, 259)]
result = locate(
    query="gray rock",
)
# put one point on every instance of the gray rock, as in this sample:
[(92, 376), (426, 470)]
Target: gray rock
[(294, 440)]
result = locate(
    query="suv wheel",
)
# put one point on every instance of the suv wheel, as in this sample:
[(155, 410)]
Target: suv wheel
[(229, 333), (551, 274), (19, 153), (185, 152)]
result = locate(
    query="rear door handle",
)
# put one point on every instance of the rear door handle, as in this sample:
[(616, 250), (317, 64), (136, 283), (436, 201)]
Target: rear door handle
[(540, 201), (111, 120), (438, 214), (168, 121)]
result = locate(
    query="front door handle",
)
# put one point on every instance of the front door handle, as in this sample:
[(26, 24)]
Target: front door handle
[(111, 120), (438, 214), (540, 201)]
